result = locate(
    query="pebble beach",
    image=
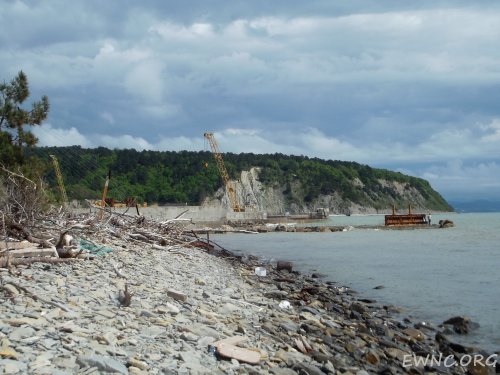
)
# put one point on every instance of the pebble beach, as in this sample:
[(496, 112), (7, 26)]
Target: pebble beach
[(185, 301)]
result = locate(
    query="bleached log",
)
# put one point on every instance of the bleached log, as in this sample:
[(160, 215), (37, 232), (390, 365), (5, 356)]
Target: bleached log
[(34, 252)]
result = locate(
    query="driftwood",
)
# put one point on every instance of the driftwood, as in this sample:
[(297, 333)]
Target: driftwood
[(31, 252), (125, 297), (21, 232), (5, 261)]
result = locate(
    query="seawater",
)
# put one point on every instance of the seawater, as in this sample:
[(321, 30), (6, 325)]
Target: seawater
[(433, 274)]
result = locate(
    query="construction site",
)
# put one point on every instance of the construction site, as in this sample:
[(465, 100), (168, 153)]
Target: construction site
[(238, 201)]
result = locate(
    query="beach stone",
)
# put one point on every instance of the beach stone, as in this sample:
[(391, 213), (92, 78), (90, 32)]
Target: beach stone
[(461, 324), (282, 371), (414, 334), (310, 310), (188, 336), (228, 309), (11, 289), (64, 362), (200, 281), (136, 371), (205, 341), (102, 363), (319, 357), (18, 322), (178, 296), (289, 326), (290, 358), (480, 369), (308, 369), (282, 265), (137, 363), (192, 361), (396, 353), (372, 357), (21, 333), (42, 360), (358, 307), (206, 295), (172, 309), (13, 367)]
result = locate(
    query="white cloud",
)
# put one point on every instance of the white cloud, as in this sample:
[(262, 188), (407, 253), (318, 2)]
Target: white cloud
[(123, 141), (493, 132), (49, 136), (145, 81)]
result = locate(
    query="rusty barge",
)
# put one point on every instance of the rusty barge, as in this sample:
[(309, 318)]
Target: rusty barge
[(405, 219)]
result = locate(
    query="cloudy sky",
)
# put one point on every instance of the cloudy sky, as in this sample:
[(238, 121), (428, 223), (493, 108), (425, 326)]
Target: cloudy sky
[(408, 86)]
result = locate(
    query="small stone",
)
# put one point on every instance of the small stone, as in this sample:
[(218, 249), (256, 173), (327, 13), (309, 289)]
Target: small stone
[(102, 363), (11, 289), (172, 309), (372, 357), (396, 353), (21, 333), (480, 369), (138, 363), (135, 370), (188, 336), (358, 307), (282, 371), (199, 281), (414, 334), (289, 326), (205, 341), (178, 296), (147, 314), (14, 367)]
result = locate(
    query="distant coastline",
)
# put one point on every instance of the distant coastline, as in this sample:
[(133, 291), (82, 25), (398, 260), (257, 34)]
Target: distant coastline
[(479, 205)]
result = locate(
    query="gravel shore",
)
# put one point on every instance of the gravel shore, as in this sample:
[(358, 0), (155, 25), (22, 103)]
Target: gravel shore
[(183, 301)]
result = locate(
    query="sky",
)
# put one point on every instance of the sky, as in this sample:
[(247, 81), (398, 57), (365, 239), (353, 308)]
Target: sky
[(408, 86)]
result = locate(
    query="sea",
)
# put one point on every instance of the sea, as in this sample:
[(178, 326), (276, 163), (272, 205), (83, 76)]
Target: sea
[(433, 274)]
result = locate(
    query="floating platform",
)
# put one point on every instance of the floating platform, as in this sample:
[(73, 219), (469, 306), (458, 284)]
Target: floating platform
[(411, 219), (405, 219)]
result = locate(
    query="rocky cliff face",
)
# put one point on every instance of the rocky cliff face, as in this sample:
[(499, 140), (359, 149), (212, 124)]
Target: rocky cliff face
[(274, 201)]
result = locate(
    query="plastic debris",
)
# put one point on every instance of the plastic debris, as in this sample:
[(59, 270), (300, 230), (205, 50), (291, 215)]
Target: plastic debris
[(94, 249), (285, 305), (260, 271)]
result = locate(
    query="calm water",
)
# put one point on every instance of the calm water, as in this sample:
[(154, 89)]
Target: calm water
[(434, 274)]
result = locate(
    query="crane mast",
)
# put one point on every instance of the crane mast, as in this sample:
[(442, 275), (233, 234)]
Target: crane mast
[(231, 191), (59, 178)]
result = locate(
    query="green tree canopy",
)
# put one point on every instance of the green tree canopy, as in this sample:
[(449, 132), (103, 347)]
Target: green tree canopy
[(14, 119)]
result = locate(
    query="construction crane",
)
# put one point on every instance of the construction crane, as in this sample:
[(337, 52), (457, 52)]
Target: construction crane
[(231, 191), (59, 178)]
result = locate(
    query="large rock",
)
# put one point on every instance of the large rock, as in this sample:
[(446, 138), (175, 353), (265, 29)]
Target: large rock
[(105, 364), (461, 324), (446, 224)]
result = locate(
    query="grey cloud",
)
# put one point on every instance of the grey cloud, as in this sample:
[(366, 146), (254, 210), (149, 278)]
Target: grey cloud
[(367, 81)]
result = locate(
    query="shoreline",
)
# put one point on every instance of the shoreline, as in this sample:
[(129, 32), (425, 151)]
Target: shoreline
[(183, 301)]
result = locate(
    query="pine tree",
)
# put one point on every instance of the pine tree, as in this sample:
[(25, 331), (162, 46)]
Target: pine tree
[(14, 119)]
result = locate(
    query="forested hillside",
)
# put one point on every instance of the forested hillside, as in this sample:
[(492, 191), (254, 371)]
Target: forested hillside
[(190, 177)]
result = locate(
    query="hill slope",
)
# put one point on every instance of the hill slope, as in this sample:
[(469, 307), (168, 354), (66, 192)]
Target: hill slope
[(276, 183)]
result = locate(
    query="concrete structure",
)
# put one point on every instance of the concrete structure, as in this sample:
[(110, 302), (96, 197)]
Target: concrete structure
[(195, 213)]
